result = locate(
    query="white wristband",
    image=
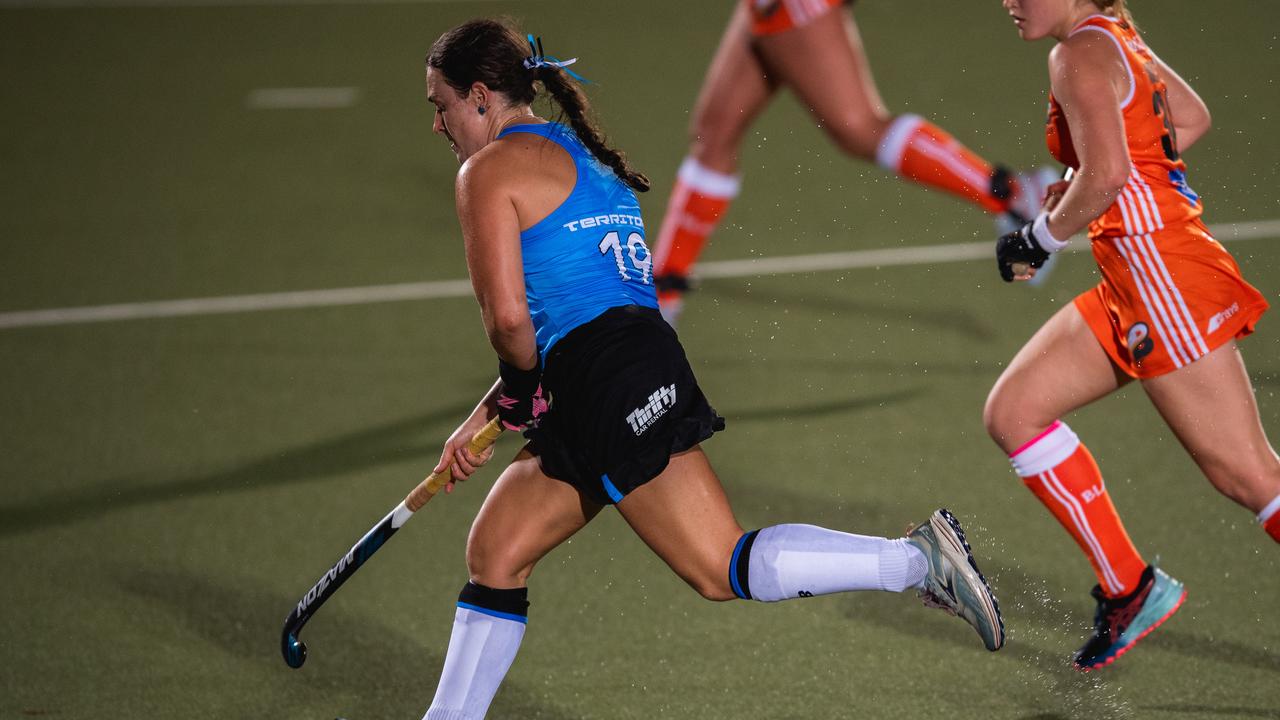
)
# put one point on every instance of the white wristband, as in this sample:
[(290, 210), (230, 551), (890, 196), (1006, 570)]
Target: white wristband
[(1040, 228)]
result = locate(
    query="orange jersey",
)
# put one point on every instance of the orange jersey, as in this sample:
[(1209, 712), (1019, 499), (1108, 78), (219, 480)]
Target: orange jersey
[(1170, 293), (769, 17), (1157, 194)]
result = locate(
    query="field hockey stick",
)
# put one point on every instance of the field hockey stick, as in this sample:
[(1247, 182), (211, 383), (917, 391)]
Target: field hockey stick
[(294, 650)]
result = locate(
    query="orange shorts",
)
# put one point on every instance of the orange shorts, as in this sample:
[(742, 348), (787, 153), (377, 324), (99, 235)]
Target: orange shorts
[(769, 17), (1167, 299)]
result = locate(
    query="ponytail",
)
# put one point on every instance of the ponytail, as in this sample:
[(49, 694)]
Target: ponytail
[(1116, 8), (492, 52), (573, 104)]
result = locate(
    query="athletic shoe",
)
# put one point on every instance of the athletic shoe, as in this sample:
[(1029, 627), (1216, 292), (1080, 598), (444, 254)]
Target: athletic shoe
[(953, 582), (1121, 622)]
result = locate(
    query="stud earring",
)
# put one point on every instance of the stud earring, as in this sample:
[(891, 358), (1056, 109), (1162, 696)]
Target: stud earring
[(481, 109)]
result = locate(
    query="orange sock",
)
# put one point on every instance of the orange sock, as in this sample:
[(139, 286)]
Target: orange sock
[(1062, 474), (920, 151), (699, 199), (1270, 518)]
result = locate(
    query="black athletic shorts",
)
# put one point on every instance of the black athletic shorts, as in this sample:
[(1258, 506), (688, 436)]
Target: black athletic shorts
[(623, 401)]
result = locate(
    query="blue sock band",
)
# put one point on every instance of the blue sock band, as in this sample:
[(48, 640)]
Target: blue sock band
[(739, 565), (510, 604)]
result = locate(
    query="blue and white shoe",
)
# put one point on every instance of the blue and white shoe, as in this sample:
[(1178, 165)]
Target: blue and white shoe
[(953, 582), (1121, 622)]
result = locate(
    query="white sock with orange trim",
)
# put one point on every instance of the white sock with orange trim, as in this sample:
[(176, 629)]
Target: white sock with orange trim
[(920, 151), (698, 201), (1061, 472)]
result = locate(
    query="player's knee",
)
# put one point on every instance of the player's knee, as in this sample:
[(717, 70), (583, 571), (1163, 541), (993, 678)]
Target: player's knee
[(999, 417), (495, 565), (1012, 420)]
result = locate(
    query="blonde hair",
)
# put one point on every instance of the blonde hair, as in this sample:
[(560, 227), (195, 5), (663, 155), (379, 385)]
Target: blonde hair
[(1116, 8)]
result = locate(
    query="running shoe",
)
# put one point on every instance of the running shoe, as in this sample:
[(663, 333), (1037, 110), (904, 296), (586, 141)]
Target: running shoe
[(1121, 622), (953, 582)]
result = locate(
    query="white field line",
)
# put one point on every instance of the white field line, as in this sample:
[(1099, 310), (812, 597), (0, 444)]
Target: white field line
[(928, 254), (81, 4), (238, 303), (302, 98)]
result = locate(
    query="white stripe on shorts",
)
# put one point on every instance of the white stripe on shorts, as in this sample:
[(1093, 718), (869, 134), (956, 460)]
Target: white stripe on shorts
[(1180, 310), (1165, 293), (1159, 318)]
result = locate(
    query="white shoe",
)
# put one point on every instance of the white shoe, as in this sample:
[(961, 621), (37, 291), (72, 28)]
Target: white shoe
[(953, 582)]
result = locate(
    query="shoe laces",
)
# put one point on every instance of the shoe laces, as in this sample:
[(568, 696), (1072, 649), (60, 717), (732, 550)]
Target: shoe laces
[(1114, 615)]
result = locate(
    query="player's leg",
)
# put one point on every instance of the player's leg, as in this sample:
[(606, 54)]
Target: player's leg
[(1064, 367), (684, 516), (1060, 369), (525, 516), (733, 93), (824, 63), (1210, 406)]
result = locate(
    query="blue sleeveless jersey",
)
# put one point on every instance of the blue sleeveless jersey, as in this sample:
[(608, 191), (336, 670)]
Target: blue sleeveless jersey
[(589, 254)]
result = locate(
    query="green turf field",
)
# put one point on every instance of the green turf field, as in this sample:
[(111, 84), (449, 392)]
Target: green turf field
[(172, 485)]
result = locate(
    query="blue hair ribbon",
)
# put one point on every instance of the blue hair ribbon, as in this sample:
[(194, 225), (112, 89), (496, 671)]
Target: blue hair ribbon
[(537, 59)]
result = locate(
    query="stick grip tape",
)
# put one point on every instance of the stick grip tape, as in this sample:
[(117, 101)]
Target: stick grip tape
[(420, 495)]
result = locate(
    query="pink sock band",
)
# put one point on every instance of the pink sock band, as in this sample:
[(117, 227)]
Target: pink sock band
[(1045, 451)]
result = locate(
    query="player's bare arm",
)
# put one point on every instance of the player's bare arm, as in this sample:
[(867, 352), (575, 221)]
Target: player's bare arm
[(1090, 81), (491, 235), (1191, 119)]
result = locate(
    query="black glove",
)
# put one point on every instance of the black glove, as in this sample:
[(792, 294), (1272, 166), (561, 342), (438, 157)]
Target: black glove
[(1019, 246), (520, 403)]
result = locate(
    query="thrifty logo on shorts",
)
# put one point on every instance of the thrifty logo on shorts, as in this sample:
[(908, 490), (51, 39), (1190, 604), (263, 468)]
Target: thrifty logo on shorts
[(662, 400), (611, 219)]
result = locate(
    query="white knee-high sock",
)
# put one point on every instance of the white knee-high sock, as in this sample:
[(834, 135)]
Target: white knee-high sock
[(487, 629), (789, 561)]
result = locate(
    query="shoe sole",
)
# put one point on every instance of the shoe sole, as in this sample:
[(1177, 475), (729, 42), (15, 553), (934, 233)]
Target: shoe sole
[(1120, 653), (955, 546)]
